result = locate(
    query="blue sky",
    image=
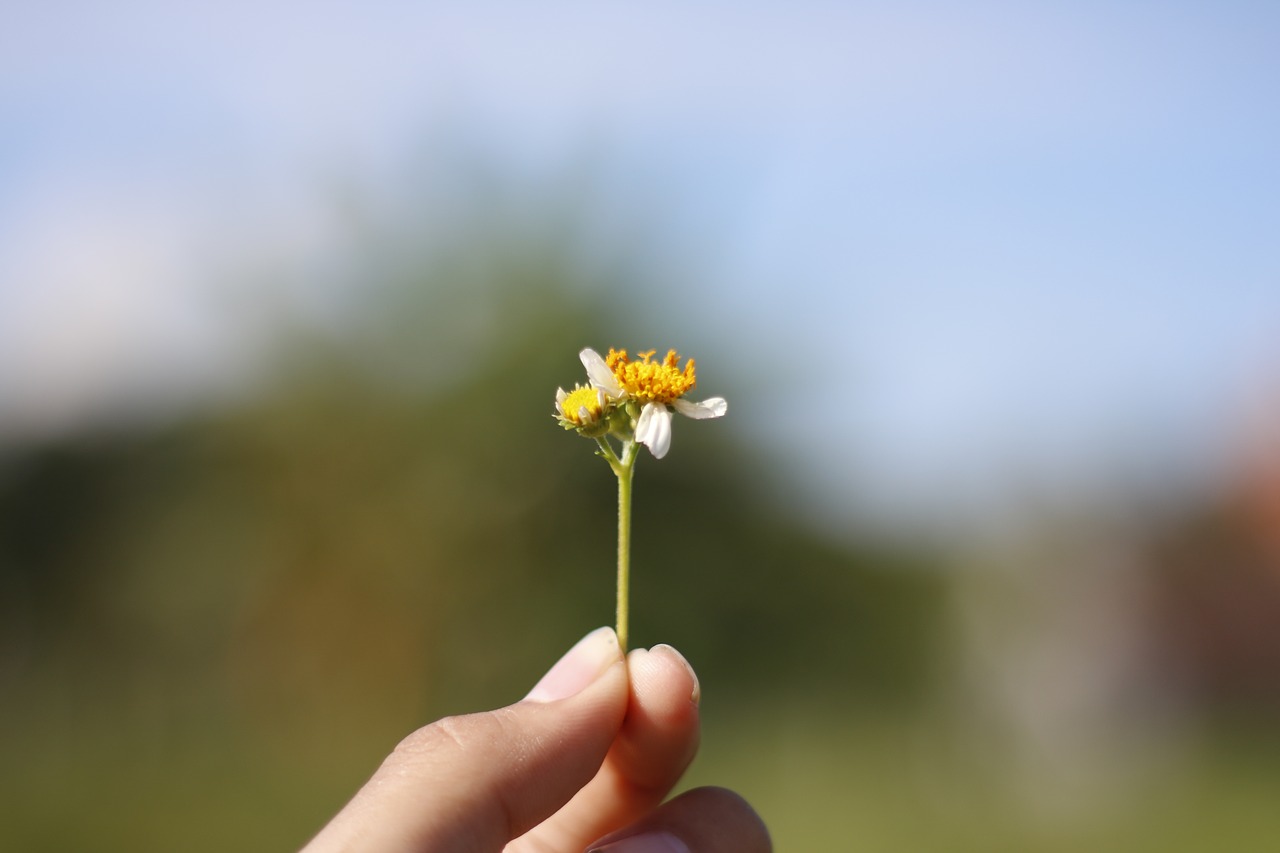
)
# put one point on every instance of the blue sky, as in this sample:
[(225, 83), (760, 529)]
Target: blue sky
[(988, 242)]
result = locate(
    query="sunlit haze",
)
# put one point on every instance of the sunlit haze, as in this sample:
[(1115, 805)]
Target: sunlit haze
[(991, 247)]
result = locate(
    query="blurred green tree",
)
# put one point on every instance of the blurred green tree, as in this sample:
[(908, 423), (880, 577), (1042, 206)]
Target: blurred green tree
[(391, 529)]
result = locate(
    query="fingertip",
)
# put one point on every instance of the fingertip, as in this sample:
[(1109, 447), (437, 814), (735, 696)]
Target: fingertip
[(589, 658), (695, 692), (663, 672), (708, 820)]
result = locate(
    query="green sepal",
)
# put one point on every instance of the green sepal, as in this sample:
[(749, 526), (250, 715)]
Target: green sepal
[(598, 429)]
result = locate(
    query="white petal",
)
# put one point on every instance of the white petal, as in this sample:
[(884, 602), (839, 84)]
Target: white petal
[(560, 398), (599, 373), (712, 407), (653, 429)]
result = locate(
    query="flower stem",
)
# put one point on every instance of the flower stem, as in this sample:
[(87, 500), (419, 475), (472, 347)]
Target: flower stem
[(623, 467), (624, 544)]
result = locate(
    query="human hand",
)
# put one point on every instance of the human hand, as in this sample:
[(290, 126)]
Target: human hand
[(581, 763)]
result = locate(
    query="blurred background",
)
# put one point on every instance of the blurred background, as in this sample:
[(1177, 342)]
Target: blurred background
[(985, 557)]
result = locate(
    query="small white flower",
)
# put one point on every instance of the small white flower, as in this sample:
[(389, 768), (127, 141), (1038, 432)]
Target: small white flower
[(653, 385), (582, 406)]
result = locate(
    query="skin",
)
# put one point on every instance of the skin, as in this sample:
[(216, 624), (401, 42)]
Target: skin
[(584, 762)]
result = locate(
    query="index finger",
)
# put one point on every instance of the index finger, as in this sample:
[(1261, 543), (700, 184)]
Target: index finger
[(474, 782)]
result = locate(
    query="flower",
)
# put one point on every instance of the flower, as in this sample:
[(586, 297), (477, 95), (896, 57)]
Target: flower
[(630, 402), (585, 409), (654, 386)]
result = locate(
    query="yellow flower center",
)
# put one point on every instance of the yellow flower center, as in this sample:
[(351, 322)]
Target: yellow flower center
[(652, 381), (578, 399)]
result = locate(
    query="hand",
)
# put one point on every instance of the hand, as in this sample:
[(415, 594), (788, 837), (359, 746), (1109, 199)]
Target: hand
[(582, 763)]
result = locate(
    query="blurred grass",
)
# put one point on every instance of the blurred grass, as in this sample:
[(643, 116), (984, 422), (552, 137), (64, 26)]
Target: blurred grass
[(825, 782), (871, 782)]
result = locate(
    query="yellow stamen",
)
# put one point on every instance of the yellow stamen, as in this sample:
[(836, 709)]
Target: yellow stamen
[(578, 399), (650, 381)]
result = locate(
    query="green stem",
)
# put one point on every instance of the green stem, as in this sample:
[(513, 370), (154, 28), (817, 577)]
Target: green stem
[(606, 450), (624, 545), (623, 467)]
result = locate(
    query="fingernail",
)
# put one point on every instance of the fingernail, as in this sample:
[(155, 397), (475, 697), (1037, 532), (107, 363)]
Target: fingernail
[(649, 842), (696, 696), (580, 666)]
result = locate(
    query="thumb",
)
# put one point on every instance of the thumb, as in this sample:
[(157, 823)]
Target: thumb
[(475, 782)]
